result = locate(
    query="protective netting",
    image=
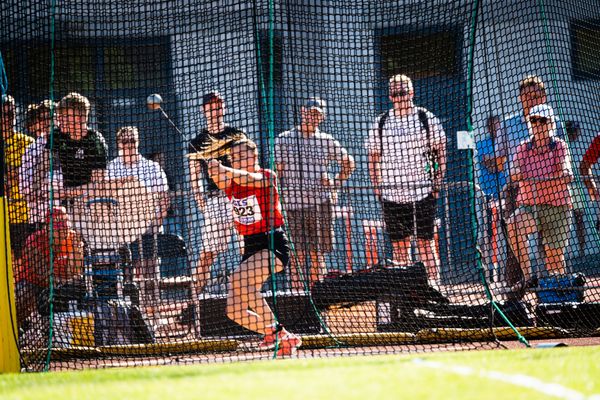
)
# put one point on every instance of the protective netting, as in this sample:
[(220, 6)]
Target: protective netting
[(222, 180)]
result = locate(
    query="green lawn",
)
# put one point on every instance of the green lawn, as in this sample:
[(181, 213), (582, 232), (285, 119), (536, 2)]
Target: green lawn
[(514, 374)]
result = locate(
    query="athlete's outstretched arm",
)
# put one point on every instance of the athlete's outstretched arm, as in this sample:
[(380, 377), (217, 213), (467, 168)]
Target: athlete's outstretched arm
[(217, 174), (222, 174)]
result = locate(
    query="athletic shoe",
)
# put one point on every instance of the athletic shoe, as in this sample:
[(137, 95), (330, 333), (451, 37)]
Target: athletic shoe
[(268, 342), (288, 344)]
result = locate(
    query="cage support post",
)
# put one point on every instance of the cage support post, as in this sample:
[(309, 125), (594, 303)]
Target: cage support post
[(9, 353)]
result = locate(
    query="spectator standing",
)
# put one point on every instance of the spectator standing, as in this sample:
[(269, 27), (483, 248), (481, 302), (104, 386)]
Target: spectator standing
[(34, 174), (407, 164), (303, 157), (492, 181), (131, 164), (218, 223), (515, 129), (15, 145), (590, 158)]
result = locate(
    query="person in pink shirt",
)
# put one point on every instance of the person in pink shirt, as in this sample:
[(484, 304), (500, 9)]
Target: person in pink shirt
[(542, 168)]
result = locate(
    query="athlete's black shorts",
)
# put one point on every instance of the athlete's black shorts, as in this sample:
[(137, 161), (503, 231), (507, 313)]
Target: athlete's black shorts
[(275, 241), (399, 220)]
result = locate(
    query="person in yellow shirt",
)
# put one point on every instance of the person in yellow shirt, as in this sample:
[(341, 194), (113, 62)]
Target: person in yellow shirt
[(15, 144)]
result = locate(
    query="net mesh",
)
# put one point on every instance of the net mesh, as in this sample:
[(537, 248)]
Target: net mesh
[(222, 180)]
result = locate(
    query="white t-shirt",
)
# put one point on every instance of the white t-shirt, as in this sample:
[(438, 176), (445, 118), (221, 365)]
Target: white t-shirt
[(404, 166), (306, 160), (34, 187), (149, 173)]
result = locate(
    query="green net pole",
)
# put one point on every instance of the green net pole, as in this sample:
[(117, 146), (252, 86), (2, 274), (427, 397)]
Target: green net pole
[(266, 103), (51, 210), (471, 169), (267, 94), (271, 145)]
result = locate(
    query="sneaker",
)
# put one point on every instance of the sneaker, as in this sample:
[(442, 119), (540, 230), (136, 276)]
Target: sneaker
[(288, 344), (268, 342)]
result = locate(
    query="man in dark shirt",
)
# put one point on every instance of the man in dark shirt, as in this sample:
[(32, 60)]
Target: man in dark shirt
[(80, 154), (81, 151), (212, 142)]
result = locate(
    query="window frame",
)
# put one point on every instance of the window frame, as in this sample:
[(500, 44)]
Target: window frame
[(577, 73)]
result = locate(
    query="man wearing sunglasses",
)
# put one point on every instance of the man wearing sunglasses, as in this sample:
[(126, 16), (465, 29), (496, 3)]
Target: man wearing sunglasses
[(407, 164), (130, 163), (542, 170)]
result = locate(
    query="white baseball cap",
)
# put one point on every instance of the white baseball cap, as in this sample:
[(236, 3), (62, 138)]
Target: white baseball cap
[(542, 110), (316, 103)]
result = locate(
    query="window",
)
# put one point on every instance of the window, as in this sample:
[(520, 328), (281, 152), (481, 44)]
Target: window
[(132, 66), (120, 67), (78, 67), (420, 55), (75, 69), (585, 44)]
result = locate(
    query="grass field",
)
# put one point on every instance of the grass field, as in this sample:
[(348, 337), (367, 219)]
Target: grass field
[(561, 373)]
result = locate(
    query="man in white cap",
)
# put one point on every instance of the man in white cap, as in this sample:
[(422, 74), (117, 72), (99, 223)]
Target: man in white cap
[(542, 169), (303, 156)]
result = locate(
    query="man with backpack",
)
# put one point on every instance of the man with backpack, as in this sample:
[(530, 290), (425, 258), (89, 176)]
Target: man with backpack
[(407, 163)]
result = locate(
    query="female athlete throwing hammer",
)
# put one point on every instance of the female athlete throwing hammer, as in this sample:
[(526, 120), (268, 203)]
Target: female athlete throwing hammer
[(253, 194)]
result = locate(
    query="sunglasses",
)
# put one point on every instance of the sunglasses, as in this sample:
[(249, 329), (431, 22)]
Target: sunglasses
[(538, 120), (128, 141), (399, 93)]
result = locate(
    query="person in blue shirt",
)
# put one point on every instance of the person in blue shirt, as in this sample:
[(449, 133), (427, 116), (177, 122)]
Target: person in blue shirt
[(491, 181), (491, 176)]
